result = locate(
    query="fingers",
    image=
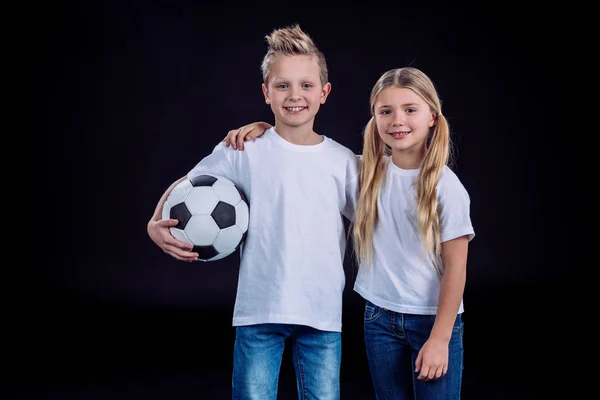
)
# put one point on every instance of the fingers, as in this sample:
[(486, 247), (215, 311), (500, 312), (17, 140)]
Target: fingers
[(424, 373), (182, 255), (169, 241), (231, 138), (439, 373), (242, 138), (161, 235), (178, 245), (168, 222), (418, 362), (429, 373), (237, 137)]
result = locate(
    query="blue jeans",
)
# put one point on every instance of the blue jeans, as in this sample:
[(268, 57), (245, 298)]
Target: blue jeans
[(393, 341), (257, 355)]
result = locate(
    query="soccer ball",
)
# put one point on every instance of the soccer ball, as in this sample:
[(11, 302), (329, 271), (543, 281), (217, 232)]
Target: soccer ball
[(212, 213)]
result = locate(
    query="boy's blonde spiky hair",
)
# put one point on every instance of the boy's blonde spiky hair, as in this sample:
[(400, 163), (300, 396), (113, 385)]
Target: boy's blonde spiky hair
[(291, 41)]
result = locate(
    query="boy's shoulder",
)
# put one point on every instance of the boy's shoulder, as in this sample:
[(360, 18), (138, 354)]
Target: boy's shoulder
[(339, 149)]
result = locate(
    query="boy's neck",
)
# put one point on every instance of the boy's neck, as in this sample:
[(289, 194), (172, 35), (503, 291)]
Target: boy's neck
[(299, 135)]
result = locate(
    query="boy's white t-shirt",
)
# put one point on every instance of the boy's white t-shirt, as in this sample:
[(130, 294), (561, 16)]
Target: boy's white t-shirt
[(400, 278), (291, 269)]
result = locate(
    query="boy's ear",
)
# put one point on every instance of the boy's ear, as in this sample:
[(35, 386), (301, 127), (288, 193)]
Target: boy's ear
[(325, 92), (266, 93)]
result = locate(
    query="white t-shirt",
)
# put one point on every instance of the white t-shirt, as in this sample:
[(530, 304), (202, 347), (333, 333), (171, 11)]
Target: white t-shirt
[(291, 268), (400, 278)]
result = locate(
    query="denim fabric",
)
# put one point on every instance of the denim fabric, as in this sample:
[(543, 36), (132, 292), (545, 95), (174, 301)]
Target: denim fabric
[(393, 341), (257, 355)]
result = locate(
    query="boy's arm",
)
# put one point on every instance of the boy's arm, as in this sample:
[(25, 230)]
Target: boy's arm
[(216, 163), (158, 230), (237, 137)]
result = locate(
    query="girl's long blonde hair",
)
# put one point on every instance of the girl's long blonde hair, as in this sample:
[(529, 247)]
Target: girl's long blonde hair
[(374, 166)]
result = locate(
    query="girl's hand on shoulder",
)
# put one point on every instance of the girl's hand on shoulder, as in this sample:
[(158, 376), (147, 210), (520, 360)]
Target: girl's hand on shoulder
[(236, 137)]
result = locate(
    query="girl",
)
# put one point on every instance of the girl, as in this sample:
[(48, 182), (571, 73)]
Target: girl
[(411, 233)]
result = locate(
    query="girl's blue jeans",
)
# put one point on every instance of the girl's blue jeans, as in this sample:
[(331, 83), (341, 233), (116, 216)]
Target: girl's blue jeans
[(393, 341)]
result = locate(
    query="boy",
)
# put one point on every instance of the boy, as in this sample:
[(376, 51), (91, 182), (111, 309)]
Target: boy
[(299, 184)]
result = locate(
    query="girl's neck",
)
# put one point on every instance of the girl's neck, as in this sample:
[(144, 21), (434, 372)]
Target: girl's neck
[(408, 159), (300, 135)]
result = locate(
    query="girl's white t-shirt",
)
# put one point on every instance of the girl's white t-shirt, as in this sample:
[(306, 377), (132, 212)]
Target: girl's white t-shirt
[(400, 278)]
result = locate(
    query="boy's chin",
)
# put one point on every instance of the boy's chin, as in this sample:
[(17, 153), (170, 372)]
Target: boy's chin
[(296, 122)]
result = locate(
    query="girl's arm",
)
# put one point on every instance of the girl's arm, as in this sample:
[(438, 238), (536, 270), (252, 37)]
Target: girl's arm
[(432, 360), (454, 259)]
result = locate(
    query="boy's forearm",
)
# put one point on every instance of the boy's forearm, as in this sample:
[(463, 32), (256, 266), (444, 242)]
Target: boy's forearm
[(158, 210)]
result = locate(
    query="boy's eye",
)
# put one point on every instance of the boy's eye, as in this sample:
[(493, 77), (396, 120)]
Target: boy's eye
[(307, 86), (282, 86)]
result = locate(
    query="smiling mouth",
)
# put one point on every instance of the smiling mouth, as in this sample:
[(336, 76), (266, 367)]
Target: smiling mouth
[(398, 135), (294, 109)]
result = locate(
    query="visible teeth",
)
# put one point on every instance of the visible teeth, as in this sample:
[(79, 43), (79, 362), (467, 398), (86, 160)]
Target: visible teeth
[(294, 109)]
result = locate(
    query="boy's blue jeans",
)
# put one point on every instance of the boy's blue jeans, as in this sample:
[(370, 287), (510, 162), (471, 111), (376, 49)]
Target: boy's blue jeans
[(257, 355), (393, 341)]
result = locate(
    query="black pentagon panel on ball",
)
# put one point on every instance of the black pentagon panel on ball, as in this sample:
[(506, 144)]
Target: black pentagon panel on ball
[(205, 252), (224, 215), (203, 180), (180, 213)]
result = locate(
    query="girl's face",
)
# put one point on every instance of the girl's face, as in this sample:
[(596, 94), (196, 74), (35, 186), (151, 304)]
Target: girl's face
[(403, 123)]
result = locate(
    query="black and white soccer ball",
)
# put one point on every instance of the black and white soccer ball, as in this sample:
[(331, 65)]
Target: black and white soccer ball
[(213, 215)]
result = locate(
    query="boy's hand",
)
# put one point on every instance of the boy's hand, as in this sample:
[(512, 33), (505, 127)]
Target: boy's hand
[(237, 137), (161, 235)]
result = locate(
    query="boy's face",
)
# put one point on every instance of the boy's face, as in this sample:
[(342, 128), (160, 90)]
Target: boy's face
[(294, 90)]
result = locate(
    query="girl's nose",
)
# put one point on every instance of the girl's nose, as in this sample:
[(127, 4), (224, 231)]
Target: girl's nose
[(398, 121)]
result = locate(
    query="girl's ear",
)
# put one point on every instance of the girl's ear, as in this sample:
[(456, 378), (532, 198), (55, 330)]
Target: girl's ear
[(434, 118)]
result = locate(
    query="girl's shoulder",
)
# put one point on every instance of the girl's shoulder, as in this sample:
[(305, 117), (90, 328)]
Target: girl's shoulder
[(450, 182)]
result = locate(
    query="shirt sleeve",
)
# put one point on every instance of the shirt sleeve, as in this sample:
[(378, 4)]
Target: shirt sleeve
[(216, 163), (351, 188), (454, 211)]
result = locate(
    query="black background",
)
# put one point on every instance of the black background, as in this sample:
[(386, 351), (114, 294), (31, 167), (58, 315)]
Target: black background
[(132, 94)]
